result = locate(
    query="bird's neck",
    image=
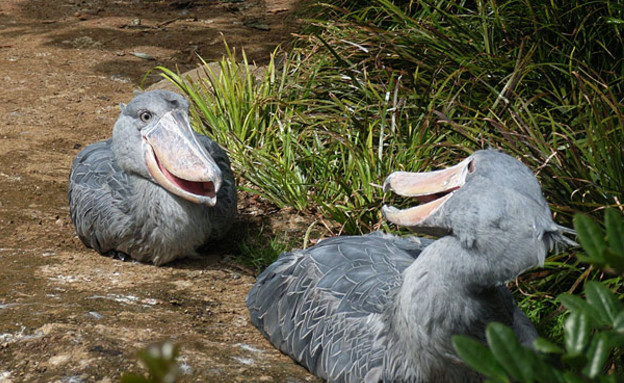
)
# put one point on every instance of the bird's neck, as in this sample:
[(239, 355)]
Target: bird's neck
[(154, 203), (445, 292)]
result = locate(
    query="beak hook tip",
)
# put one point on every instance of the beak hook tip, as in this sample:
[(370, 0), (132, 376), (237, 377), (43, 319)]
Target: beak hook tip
[(386, 185)]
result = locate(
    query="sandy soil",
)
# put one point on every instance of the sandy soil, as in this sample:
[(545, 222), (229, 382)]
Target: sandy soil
[(68, 314)]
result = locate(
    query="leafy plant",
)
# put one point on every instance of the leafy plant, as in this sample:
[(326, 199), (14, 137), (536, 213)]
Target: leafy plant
[(508, 74), (593, 330), (160, 362), (376, 86), (603, 252), (280, 141), (241, 108), (379, 86)]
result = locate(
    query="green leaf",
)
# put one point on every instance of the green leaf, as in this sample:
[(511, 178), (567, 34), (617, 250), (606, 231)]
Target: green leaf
[(577, 332), (616, 339), (603, 301), (546, 372), (597, 355), (577, 305), (613, 378), (546, 346), (600, 263), (479, 357), (616, 261), (570, 377), (614, 224), (618, 323), (508, 352), (577, 361), (590, 236)]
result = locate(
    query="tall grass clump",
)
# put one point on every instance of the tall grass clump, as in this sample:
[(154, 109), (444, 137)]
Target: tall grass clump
[(376, 86), (304, 145), (540, 80), (242, 110)]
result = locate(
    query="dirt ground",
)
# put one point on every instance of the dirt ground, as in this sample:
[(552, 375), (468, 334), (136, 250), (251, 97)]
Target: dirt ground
[(68, 314)]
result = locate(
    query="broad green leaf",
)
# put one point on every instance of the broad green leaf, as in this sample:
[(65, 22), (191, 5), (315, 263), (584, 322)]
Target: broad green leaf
[(570, 377), (479, 357), (603, 301), (546, 346), (600, 263), (614, 223), (508, 352), (597, 354), (577, 305), (618, 323), (616, 339), (613, 378), (577, 361), (616, 261), (577, 332), (546, 372), (590, 236)]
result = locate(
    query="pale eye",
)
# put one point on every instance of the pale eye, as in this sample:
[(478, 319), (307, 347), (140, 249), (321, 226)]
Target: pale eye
[(145, 116)]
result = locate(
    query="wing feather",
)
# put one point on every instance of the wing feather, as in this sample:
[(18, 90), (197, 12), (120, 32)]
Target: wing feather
[(97, 189), (322, 306)]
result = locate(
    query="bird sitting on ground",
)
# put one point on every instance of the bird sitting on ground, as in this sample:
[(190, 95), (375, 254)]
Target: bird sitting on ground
[(383, 308), (156, 190)]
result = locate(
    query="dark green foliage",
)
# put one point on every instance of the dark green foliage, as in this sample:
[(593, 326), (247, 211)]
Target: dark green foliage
[(541, 80), (593, 344), (379, 85), (604, 252), (259, 252), (466, 75)]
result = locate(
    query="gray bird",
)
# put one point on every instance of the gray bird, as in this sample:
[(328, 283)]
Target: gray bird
[(380, 307), (156, 190)]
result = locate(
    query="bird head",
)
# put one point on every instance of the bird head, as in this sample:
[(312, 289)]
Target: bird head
[(153, 139), (490, 202)]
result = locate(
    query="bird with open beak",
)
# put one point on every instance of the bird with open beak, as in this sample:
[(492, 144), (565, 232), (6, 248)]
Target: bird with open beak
[(384, 308), (156, 190)]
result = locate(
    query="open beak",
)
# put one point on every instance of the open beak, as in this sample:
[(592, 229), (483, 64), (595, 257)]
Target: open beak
[(178, 162), (430, 188)]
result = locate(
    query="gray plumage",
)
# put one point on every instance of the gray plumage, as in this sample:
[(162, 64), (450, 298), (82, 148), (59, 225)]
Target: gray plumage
[(384, 308), (123, 201)]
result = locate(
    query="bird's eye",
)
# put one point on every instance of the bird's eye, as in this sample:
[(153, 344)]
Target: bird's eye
[(145, 116), (471, 167)]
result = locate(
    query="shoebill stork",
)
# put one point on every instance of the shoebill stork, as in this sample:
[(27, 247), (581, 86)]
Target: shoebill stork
[(156, 190), (383, 308)]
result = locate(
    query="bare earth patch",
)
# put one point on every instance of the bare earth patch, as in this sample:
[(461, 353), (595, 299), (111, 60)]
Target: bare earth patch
[(68, 314)]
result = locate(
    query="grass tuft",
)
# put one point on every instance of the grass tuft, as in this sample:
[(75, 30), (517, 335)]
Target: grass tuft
[(376, 86)]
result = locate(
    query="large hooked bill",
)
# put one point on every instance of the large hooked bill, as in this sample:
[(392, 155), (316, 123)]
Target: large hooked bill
[(178, 161), (433, 189)]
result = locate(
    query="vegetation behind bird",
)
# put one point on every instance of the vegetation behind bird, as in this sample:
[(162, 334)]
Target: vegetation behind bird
[(377, 86)]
